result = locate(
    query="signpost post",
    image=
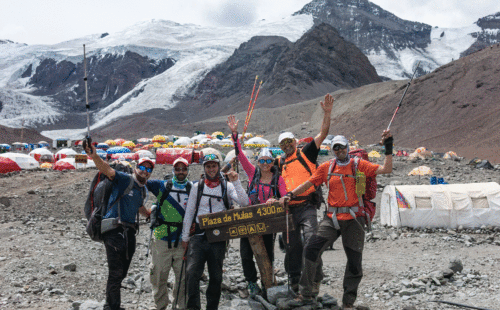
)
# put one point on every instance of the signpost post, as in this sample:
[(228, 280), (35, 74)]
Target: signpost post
[(249, 222)]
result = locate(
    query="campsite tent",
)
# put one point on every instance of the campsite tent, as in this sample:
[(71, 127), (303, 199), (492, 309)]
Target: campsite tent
[(276, 151), (110, 142), (102, 146), (221, 142), (183, 141), (69, 163), (8, 165), (37, 153), (145, 153), (24, 161), (118, 149), (257, 142), (168, 156), (159, 139), (125, 156), (63, 153), (4, 148), (447, 206), (119, 141), (230, 155)]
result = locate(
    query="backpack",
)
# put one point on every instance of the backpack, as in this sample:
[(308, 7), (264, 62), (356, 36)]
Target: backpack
[(366, 187), (195, 227), (155, 216), (253, 194), (315, 198), (96, 205)]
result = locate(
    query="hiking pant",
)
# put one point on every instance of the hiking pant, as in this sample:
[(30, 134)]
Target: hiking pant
[(117, 244), (199, 253), (246, 254), (306, 223), (353, 237), (165, 259)]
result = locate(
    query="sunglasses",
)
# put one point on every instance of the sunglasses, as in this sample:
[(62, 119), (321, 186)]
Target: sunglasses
[(338, 147), (144, 168), (210, 157), (180, 169), (286, 141), (267, 161)]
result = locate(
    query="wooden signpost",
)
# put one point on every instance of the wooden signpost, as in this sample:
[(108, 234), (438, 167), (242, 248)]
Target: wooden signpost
[(249, 222), (80, 159)]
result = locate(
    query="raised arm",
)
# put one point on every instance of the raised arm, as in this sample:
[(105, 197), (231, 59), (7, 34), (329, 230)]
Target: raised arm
[(99, 163), (327, 106), (245, 163)]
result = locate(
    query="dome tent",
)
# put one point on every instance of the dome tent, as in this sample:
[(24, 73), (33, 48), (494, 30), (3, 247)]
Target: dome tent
[(24, 161), (258, 141), (63, 153), (118, 149), (8, 165), (230, 155), (37, 153), (183, 141)]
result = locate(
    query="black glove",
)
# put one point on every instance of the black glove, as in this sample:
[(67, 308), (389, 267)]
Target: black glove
[(87, 141), (388, 145)]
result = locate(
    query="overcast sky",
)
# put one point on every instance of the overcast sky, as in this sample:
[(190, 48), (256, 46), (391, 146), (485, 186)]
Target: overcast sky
[(54, 21)]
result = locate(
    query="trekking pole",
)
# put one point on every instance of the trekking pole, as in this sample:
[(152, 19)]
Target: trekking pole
[(401, 101), (249, 116), (180, 280), (144, 269), (87, 106), (287, 244), (457, 304)]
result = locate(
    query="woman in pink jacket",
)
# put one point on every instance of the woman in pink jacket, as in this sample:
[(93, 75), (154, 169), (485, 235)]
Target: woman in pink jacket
[(265, 185)]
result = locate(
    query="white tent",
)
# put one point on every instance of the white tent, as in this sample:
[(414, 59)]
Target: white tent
[(258, 140), (90, 163), (447, 206), (230, 155), (63, 153), (183, 141), (204, 141), (198, 138), (145, 153), (220, 142), (40, 151), (24, 161)]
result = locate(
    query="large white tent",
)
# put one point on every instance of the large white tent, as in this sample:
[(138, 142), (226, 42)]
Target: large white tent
[(183, 141), (446, 206), (24, 161)]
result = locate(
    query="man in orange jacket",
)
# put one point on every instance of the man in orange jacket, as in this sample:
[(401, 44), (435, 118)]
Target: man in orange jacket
[(340, 220)]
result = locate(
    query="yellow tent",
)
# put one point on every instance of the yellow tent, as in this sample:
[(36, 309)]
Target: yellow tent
[(128, 144), (374, 154), (110, 142), (156, 145), (46, 165), (158, 138), (422, 170)]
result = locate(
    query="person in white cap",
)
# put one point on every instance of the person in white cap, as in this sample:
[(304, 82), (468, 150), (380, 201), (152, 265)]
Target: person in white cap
[(211, 194), (265, 186), (127, 199), (344, 176), (297, 166), (167, 217)]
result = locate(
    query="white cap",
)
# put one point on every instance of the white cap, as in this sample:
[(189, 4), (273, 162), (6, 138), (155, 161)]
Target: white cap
[(146, 160), (339, 140), (265, 153), (285, 135), (181, 160)]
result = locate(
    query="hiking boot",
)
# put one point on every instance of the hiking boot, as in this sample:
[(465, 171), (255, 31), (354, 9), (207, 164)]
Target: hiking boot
[(253, 289), (300, 301), (315, 288)]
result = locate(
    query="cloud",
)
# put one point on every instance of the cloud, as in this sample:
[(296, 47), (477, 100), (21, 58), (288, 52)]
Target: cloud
[(232, 13)]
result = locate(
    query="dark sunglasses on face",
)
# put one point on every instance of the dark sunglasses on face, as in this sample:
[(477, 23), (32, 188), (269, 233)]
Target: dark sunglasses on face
[(144, 168), (180, 169), (286, 142), (267, 161), (338, 147)]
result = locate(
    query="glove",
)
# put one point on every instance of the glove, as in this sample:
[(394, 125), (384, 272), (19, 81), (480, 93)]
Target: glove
[(388, 145)]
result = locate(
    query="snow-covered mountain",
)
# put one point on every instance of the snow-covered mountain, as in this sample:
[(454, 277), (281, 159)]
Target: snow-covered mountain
[(154, 63)]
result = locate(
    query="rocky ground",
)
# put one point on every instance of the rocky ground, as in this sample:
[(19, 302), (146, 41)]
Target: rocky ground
[(48, 262)]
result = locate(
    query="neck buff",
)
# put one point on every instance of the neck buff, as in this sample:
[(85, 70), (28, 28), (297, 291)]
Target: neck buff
[(213, 182), (180, 185)]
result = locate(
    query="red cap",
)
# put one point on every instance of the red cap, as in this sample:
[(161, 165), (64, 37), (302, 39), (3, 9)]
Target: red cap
[(146, 160), (181, 160)]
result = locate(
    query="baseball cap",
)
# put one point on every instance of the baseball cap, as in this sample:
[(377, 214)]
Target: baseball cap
[(285, 135), (340, 140), (146, 160), (181, 160), (265, 153)]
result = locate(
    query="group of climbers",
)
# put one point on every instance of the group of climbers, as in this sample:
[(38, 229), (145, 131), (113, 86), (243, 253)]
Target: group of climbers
[(293, 180)]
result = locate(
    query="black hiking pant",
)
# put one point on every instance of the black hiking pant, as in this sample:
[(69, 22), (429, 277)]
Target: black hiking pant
[(117, 244), (199, 253), (246, 254)]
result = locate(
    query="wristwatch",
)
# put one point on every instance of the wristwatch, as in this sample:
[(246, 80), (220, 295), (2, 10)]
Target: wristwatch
[(290, 194)]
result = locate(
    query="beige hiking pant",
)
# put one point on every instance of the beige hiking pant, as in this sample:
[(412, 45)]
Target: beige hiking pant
[(163, 260)]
